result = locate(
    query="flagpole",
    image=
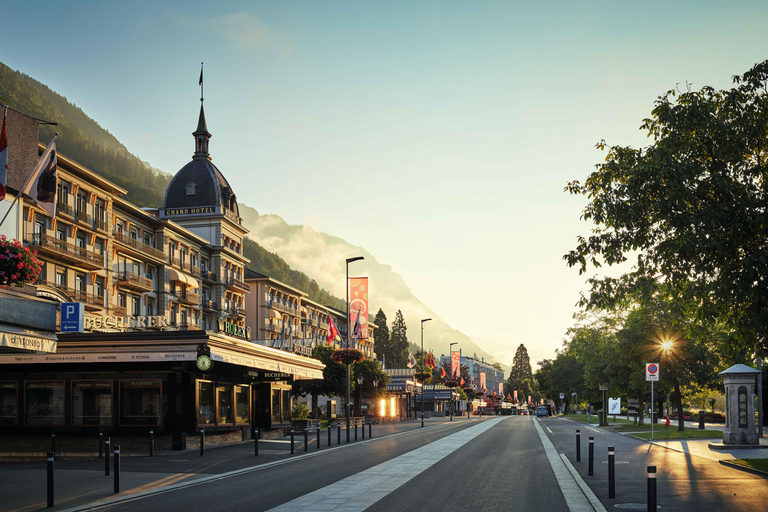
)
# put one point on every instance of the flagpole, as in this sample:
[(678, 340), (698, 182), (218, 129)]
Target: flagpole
[(55, 135)]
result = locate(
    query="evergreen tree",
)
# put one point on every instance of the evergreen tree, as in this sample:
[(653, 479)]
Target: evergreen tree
[(381, 338), (398, 342), (521, 369)]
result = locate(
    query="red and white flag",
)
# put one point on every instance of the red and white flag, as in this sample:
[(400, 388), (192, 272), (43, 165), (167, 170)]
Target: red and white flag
[(411, 360), (3, 157), (332, 330), (41, 186)]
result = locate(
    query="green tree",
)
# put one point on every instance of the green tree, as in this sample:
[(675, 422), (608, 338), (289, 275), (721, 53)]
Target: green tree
[(369, 370), (521, 369), (399, 342), (333, 383), (690, 207), (381, 338)]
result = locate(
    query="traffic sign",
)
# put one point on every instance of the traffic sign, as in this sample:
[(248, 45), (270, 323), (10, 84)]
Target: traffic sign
[(652, 371), (562, 395)]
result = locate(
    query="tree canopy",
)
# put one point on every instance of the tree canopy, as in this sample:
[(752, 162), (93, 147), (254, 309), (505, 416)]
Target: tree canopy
[(691, 208), (398, 342)]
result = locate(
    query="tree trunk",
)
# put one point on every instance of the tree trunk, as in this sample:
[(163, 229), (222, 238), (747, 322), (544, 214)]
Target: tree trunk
[(679, 404), (314, 406), (641, 413)]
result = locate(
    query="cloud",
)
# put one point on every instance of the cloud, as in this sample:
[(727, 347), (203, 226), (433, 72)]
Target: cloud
[(242, 30)]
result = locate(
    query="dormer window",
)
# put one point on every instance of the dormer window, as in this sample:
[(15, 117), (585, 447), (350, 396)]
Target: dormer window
[(191, 188)]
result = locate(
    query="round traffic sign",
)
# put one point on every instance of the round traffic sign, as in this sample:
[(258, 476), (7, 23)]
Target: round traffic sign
[(652, 368)]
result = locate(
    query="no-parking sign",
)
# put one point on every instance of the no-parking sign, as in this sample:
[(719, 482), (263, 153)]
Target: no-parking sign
[(652, 371)]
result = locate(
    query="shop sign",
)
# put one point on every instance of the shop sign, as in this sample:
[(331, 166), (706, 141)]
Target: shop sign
[(123, 322), (268, 376), (23, 341), (203, 210), (119, 357), (302, 350), (235, 330)]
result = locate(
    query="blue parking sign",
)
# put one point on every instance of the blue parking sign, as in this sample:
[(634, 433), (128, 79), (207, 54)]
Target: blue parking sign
[(72, 316)]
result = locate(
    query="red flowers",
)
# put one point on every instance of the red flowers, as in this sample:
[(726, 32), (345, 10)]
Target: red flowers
[(18, 265), (347, 356)]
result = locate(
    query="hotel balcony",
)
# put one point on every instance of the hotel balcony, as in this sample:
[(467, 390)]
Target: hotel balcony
[(92, 302), (134, 281), (209, 305), (138, 246), (195, 270), (117, 310), (189, 297), (208, 276), (68, 252), (232, 282), (236, 311), (101, 225), (83, 218), (64, 209)]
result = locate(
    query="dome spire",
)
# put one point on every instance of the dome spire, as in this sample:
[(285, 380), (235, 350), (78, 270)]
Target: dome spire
[(201, 134)]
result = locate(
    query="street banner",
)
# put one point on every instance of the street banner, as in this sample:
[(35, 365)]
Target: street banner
[(455, 365), (358, 303), (515, 395), (482, 380), (501, 388), (614, 406), (652, 372)]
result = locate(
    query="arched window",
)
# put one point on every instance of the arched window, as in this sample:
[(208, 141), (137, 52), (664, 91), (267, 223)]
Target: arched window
[(743, 423)]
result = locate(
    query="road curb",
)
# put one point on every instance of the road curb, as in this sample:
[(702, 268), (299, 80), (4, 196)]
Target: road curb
[(754, 471)]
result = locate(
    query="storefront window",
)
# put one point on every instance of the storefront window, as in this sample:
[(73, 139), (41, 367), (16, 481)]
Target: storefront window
[(287, 412), (242, 412), (205, 403), (44, 403), (9, 403), (92, 402), (276, 410), (224, 404), (140, 402)]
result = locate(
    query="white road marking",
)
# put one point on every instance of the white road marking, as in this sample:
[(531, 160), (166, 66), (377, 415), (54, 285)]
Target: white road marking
[(358, 492)]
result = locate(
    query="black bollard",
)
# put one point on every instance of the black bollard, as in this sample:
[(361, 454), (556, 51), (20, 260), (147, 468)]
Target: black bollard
[(329, 434), (318, 438), (106, 457), (292, 441), (50, 479), (651, 488), (101, 445), (306, 439), (151, 443), (370, 434), (422, 419), (578, 445), (362, 427), (256, 441), (611, 473), (338, 431), (591, 455), (355, 430), (53, 445), (202, 442), (117, 468)]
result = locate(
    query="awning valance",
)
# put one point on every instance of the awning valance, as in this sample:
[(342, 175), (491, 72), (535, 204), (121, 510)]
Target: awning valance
[(274, 314), (175, 275)]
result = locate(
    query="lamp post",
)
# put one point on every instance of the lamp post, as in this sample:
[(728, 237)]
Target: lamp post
[(346, 285), (422, 368), (359, 399), (450, 356), (375, 393)]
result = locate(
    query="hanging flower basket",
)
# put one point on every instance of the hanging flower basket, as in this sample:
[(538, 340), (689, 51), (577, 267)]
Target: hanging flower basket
[(18, 265), (423, 376), (451, 383), (347, 356)]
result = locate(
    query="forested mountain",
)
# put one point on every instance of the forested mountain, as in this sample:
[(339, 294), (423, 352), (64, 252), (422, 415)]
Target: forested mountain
[(82, 139)]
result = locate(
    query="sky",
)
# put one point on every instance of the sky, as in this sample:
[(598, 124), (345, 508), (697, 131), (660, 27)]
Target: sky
[(439, 136)]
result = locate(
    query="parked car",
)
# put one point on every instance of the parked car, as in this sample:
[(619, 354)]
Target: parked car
[(523, 412), (542, 411)]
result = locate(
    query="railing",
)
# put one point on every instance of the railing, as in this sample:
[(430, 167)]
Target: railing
[(235, 310), (101, 225), (135, 280), (236, 282), (195, 270), (209, 304), (66, 249), (231, 216), (82, 217), (188, 296), (207, 275), (173, 261), (139, 245), (117, 310), (64, 208), (78, 295)]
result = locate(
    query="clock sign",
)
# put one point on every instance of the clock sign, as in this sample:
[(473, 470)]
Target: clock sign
[(203, 362)]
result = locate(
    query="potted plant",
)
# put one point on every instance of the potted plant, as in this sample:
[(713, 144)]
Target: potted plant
[(18, 265), (347, 356), (423, 376)]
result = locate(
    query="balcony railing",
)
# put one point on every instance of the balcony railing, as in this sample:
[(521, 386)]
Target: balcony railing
[(232, 216), (117, 310), (101, 225), (231, 281), (64, 208), (131, 280), (124, 238), (235, 310), (210, 305), (189, 297), (77, 295), (82, 217), (207, 275), (80, 254), (195, 270)]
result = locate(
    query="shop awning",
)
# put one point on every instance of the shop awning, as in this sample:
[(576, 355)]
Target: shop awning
[(300, 367), (175, 275), (274, 314)]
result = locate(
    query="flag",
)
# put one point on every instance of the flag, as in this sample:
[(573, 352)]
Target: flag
[(3, 158), (431, 361), (442, 373), (332, 331), (41, 185), (356, 328), (461, 383), (411, 360), (201, 74)]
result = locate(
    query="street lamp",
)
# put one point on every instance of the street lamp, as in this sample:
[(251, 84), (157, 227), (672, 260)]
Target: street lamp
[(450, 358), (346, 285), (422, 368)]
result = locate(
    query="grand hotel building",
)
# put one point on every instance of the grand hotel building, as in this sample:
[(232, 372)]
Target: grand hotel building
[(160, 287)]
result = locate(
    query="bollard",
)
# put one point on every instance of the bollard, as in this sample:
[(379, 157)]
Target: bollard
[(578, 445), (422, 419), (202, 442), (101, 445), (306, 439), (151, 443), (651, 488), (329, 435), (355, 430), (701, 420), (338, 427), (611, 473), (370, 434), (292, 441), (106, 457), (50, 479), (256, 441), (591, 455), (362, 427), (318, 438), (117, 468), (53, 445)]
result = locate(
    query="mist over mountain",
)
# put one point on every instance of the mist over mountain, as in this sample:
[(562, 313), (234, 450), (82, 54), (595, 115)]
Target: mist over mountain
[(296, 255)]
